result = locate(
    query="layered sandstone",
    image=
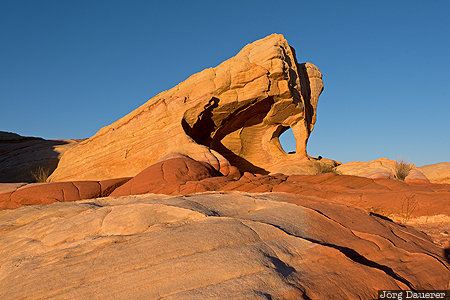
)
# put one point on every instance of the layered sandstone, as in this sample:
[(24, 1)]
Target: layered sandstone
[(16, 195), (209, 246), (21, 157), (426, 206), (232, 113)]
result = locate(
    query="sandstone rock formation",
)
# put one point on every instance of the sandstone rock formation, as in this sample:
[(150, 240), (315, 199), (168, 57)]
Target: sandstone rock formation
[(21, 156), (426, 206), (166, 177), (437, 173), (417, 177), (234, 112), (216, 245), (312, 166), (16, 195), (380, 168), (167, 211)]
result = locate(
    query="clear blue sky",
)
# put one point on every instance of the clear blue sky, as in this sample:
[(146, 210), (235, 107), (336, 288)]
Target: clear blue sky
[(68, 68)]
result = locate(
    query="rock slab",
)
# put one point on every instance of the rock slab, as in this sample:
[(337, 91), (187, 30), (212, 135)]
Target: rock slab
[(209, 246), (425, 205), (17, 195)]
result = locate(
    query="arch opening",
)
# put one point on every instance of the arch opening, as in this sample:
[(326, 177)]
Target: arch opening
[(287, 141)]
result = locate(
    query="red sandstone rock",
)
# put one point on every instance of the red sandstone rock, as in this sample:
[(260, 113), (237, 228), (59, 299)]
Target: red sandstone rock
[(177, 174), (109, 185), (46, 193), (166, 177), (183, 175), (404, 202)]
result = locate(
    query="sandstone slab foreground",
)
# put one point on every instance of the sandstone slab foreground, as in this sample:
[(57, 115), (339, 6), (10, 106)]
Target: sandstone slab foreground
[(230, 114), (212, 245)]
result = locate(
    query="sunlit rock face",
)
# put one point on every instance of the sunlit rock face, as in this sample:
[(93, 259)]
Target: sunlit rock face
[(233, 113)]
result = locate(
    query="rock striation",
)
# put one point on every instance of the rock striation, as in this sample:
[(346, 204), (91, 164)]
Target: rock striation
[(230, 114), (16, 195), (22, 156), (208, 246), (426, 206)]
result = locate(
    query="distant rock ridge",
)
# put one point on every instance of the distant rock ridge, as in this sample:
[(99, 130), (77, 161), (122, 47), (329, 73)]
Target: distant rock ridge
[(6, 136), (21, 156), (386, 168), (230, 114)]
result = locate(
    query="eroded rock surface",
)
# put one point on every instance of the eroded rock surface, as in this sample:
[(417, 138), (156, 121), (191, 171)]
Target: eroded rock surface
[(16, 195), (22, 156), (427, 206), (437, 173), (219, 245), (234, 112), (381, 168)]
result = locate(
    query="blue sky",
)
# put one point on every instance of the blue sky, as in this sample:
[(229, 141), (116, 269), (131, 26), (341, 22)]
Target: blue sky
[(68, 68)]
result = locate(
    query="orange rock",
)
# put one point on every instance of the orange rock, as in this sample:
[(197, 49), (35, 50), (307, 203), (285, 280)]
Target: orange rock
[(385, 196), (416, 177), (177, 174), (230, 115)]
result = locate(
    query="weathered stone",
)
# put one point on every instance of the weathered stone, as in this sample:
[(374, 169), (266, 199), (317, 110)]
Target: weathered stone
[(379, 174), (177, 174), (166, 177), (232, 113), (437, 173), (209, 246), (21, 157), (417, 177), (364, 169), (13, 196), (383, 168)]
